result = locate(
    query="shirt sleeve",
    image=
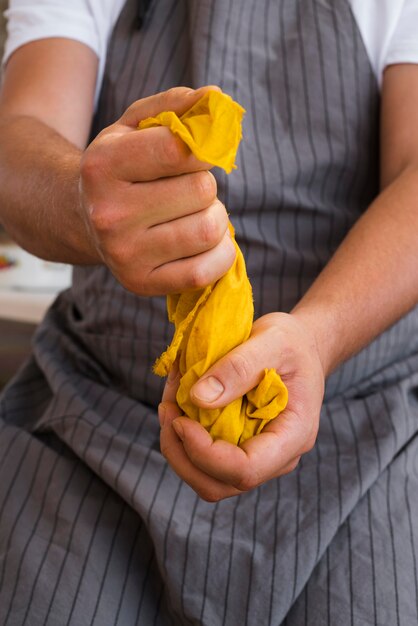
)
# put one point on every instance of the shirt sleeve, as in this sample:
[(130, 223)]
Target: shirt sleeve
[(403, 46), (88, 21)]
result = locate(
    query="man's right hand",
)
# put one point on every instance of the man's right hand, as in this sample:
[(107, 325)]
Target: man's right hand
[(150, 206)]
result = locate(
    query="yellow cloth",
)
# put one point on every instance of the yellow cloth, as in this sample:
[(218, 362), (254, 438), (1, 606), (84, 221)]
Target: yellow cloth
[(210, 322), (211, 128)]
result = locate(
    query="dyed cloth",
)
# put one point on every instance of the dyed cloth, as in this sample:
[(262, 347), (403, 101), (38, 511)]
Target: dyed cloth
[(95, 528), (211, 128), (211, 322)]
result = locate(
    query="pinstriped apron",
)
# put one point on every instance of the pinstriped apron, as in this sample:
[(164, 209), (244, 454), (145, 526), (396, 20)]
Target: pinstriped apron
[(95, 528)]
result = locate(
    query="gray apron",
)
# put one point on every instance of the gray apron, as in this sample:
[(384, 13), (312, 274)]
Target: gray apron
[(95, 528)]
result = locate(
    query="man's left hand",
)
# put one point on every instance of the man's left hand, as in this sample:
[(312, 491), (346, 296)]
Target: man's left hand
[(219, 469)]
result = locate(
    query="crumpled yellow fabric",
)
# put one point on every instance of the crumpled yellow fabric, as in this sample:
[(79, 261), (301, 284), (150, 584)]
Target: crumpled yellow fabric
[(211, 128), (210, 322)]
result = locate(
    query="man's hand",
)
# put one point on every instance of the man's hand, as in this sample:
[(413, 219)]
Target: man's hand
[(150, 206), (217, 470), (136, 200)]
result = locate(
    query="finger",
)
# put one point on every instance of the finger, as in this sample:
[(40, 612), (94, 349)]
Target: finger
[(192, 273), (235, 374), (187, 236), (168, 411), (149, 154), (277, 449), (171, 385), (170, 198), (195, 272), (272, 453), (178, 99), (220, 459), (172, 448), (152, 218)]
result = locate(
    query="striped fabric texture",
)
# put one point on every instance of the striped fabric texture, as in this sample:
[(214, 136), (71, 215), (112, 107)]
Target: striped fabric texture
[(95, 528)]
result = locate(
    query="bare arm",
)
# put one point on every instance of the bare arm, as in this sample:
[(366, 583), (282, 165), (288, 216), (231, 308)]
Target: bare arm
[(46, 107), (372, 279), (137, 201)]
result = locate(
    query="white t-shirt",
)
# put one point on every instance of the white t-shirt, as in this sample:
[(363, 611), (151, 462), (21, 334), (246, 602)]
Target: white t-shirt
[(389, 28)]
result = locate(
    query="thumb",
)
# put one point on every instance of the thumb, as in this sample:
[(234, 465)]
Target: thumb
[(231, 377), (177, 99)]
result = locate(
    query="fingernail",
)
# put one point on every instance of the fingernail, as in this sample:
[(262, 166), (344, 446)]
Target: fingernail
[(208, 389), (161, 414), (178, 427)]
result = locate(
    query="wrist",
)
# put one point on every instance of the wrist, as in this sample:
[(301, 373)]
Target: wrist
[(324, 330), (83, 239)]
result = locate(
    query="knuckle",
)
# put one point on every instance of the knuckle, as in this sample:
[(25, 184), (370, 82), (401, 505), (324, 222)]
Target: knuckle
[(171, 152), (89, 167), (227, 255), (93, 165), (230, 251), (210, 232), (166, 98), (130, 113), (209, 495), (203, 188), (248, 483), (102, 217), (241, 366), (199, 276), (132, 109), (308, 445)]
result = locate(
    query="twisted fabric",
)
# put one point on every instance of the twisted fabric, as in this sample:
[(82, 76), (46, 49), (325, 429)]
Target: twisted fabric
[(211, 322)]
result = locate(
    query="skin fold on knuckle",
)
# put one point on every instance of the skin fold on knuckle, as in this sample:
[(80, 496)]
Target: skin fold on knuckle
[(248, 480), (171, 152), (203, 271), (202, 188), (167, 98), (211, 228), (212, 495), (241, 368), (180, 239), (199, 275)]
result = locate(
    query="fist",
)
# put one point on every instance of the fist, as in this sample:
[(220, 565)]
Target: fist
[(150, 207)]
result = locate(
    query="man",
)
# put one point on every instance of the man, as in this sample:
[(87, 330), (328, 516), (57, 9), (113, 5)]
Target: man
[(139, 216)]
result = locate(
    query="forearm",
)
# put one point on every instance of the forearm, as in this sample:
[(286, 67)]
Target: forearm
[(39, 191), (372, 279)]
